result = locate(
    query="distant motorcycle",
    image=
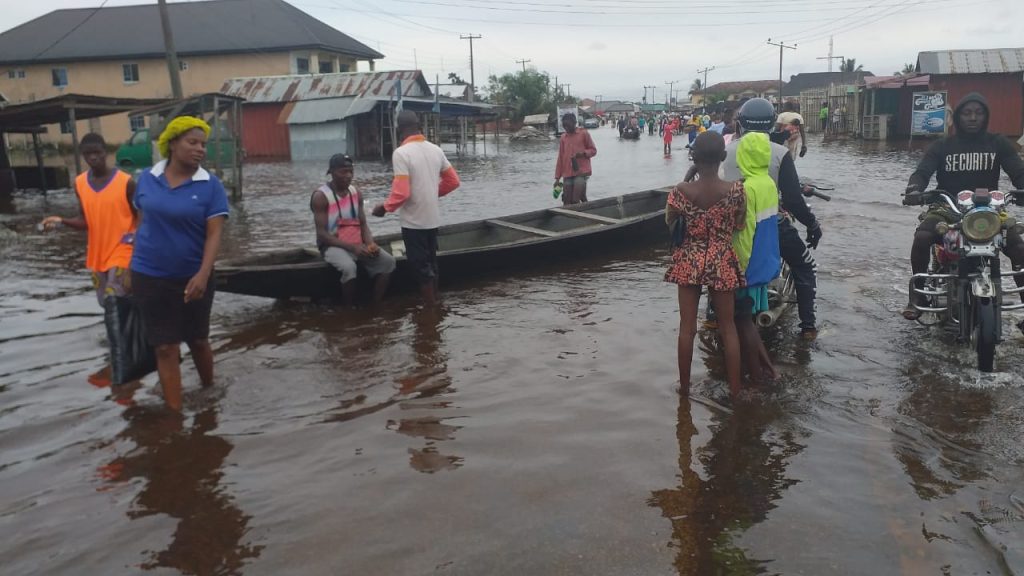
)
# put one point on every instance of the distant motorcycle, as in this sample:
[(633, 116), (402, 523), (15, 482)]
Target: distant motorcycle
[(964, 283), (630, 133), (782, 290)]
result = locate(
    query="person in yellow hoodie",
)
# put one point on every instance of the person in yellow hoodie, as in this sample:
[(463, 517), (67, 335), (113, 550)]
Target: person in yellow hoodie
[(757, 247)]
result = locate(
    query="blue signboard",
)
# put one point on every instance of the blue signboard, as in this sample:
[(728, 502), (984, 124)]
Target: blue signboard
[(929, 113)]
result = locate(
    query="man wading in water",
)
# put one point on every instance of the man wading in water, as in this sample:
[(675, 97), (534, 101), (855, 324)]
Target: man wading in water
[(575, 150), (422, 175)]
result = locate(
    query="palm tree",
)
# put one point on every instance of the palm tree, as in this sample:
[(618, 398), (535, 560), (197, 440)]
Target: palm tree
[(908, 68), (696, 86), (850, 65)]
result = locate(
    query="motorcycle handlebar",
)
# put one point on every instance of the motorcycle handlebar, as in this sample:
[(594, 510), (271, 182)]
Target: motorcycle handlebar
[(930, 196), (814, 190)]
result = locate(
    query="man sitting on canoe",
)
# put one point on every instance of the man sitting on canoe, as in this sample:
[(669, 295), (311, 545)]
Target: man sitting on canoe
[(342, 234)]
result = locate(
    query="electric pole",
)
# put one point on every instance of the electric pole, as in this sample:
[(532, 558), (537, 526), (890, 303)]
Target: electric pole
[(568, 94), (523, 62), (172, 55), (668, 97), (653, 88), (782, 47), (704, 87), (472, 76)]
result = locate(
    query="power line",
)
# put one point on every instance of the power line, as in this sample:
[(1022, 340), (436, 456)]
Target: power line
[(524, 63), (69, 32)]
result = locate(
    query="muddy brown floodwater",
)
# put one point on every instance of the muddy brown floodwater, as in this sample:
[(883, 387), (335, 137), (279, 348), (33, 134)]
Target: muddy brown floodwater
[(532, 426)]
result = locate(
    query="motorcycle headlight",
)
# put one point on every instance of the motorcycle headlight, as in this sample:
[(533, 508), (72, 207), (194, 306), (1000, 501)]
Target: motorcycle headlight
[(981, 225)]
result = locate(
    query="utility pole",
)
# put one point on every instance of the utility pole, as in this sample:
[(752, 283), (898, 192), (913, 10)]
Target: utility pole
[(523, 62), (172, 55), (653, 88), (830, 57), (668, 97), (472, 75), (704, 87), (567, 92), (782, 47)]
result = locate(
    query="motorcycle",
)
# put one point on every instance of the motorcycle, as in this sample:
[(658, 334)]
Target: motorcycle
[(630, 133), (963, 284), (782, 290)]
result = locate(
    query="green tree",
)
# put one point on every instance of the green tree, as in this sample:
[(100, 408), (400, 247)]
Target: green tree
[(907, 70), (850, 65), (456, 79), (524, 93)]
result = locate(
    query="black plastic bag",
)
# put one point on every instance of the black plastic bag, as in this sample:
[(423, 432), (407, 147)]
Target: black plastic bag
[(131, 356), (678, 231)]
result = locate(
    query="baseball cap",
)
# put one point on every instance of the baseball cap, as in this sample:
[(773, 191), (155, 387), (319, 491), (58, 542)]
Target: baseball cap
[(340, 161)]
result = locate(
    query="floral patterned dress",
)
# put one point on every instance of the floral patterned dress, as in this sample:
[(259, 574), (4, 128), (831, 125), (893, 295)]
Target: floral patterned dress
[(706, 257)]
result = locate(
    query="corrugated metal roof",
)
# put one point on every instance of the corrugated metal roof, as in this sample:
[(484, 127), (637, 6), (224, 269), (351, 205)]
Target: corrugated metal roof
[(971, 61), (536, 119), (214, 27), (266, 89), (452, 90), (329, 110), (890, 82)]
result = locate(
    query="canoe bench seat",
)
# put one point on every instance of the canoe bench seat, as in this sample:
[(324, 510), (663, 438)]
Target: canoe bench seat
[(585, 216), (522, 228)]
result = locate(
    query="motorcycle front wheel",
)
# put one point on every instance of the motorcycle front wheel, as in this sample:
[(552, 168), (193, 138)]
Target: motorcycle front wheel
[(986, 332)]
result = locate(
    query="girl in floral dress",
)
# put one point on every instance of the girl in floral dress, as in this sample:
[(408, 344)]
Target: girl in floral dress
[(712, 209)]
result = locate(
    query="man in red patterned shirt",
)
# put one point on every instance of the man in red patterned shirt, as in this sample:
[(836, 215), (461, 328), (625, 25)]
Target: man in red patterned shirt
[(575, 150)]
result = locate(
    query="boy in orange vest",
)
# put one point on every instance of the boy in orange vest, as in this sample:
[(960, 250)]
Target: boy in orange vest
[(108, 218)]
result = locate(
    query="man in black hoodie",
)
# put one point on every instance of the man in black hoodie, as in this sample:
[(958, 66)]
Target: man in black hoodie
[(971, 158)]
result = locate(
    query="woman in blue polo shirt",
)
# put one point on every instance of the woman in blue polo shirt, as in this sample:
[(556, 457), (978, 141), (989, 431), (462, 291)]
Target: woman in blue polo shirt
[(182, 209)]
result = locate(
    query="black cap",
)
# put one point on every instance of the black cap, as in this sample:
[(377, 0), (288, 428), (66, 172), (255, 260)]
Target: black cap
[(340, 161)]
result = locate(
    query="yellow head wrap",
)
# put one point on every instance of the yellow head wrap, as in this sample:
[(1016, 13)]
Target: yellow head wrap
[(176, 128)]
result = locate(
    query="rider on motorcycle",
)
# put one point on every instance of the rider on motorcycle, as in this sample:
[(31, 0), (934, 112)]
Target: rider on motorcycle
[(971, 158), (758, 115)]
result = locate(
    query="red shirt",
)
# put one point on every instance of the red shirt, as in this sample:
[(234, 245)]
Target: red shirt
[(570, 144)]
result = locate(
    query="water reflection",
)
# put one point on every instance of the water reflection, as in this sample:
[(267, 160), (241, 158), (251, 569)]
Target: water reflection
[(183, 470), (744, 465), (936, 444), (427, 380)]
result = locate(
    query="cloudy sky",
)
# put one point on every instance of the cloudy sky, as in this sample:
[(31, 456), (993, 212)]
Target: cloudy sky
[(615, 47)]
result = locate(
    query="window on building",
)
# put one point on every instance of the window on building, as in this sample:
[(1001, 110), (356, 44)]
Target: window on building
[(137, 123), (326, 67), (17, 73), (130, 73), (182, 65), (342, 67), (65, 127), (302, 65), (60, 77)]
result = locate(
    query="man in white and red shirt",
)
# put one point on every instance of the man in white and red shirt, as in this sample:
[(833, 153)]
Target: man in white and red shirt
[(422, 175)]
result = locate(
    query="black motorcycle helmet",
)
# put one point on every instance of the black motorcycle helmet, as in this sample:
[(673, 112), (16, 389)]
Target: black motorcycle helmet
[(757, 115)]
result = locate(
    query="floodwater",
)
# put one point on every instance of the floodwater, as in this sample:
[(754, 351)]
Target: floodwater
[(531, 426)]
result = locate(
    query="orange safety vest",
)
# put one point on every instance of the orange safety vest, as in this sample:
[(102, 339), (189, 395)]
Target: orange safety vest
[(109, 218)]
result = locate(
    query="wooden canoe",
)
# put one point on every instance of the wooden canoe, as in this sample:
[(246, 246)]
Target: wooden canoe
[(467, 250)]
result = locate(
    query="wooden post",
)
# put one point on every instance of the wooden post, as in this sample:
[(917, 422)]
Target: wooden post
[(217, 138), (74, 139), (239, 150), (172, 56), (39, 161)]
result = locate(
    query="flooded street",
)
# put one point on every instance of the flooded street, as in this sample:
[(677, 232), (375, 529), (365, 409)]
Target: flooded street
[(531, 426)]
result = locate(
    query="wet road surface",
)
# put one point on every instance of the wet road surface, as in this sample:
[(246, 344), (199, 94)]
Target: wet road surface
[(531, 426)]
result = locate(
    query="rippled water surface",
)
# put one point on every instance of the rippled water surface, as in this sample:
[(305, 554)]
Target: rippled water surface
[(531, 426)]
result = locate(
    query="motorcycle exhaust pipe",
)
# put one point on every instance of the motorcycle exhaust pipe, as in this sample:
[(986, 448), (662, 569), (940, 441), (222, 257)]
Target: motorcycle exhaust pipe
[(768, 318)]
